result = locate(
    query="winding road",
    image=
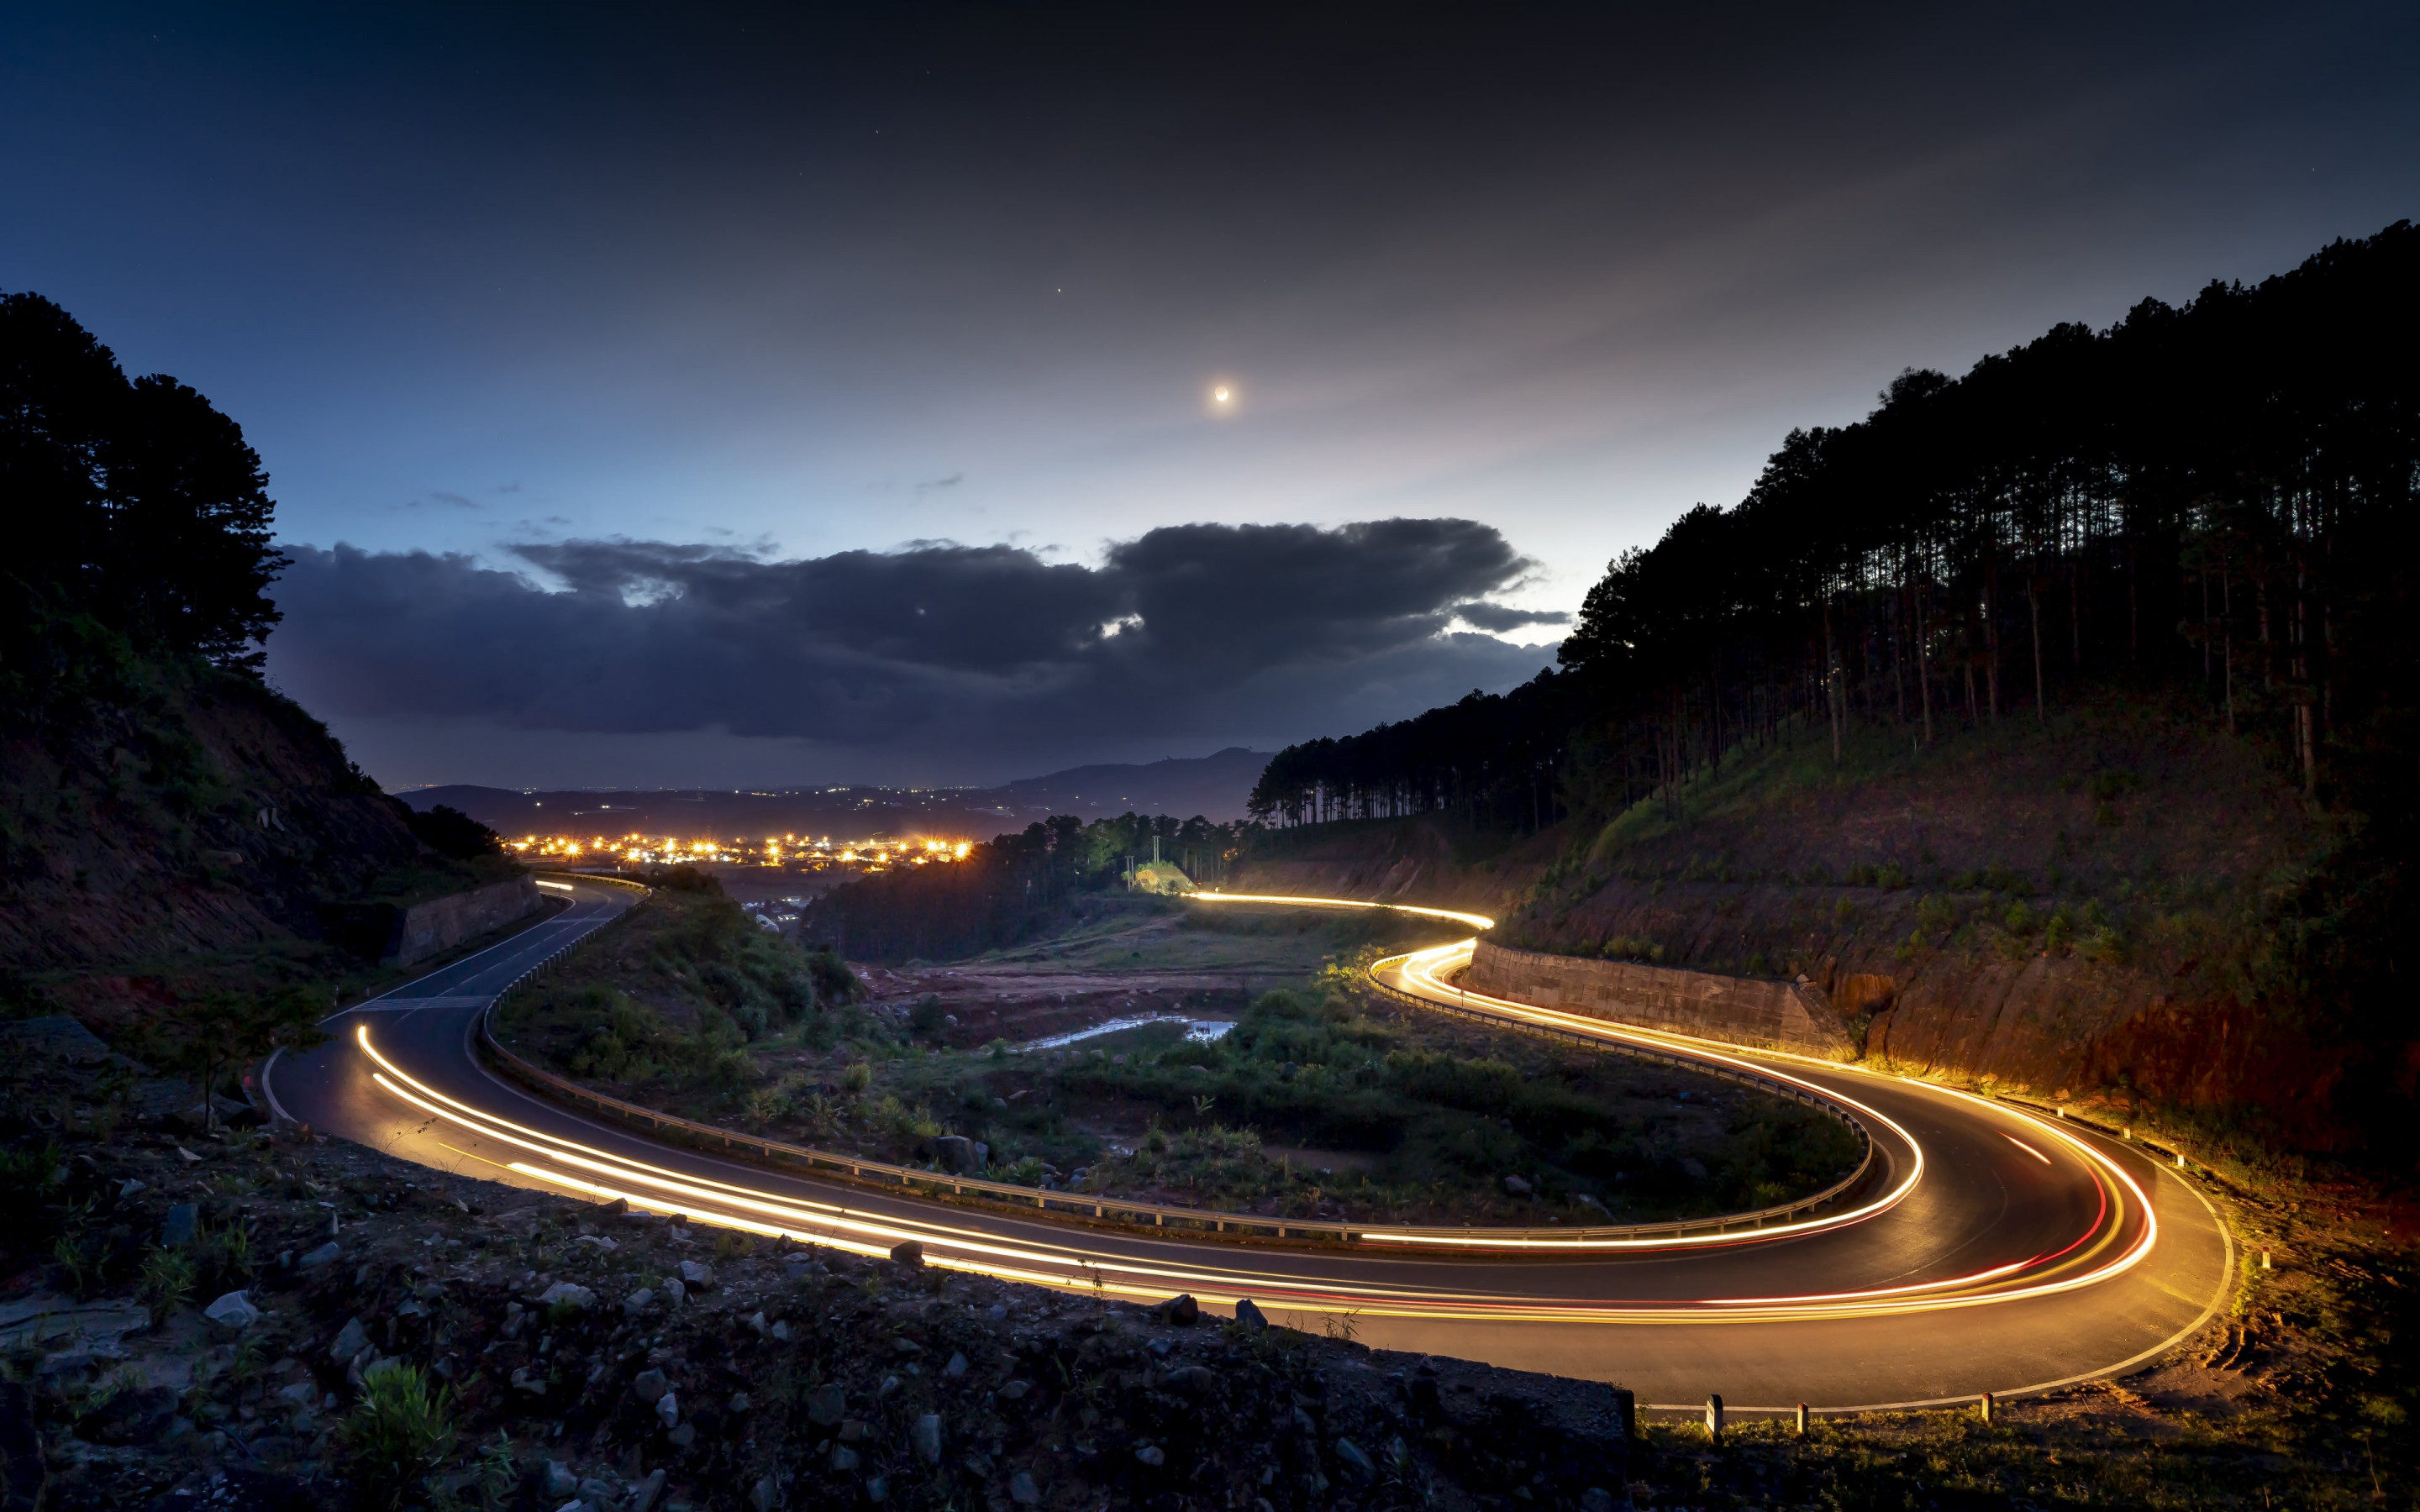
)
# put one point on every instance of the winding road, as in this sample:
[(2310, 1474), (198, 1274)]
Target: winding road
[(2000, 1251)]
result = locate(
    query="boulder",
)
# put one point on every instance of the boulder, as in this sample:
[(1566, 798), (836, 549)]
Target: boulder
[(234, 1310), (1250, 1316), (643, 1496), (1515, 1187), (909, 1253), (351, 1340), (956, 1154), (696, 1274), (639, 1302), (1356, 1464), (1180, 1310)]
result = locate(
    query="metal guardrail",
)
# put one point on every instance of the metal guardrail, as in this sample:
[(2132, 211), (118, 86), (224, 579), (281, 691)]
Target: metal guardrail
[(1090, 1208)]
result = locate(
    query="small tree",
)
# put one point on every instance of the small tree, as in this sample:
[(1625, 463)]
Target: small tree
[(210, 1034)]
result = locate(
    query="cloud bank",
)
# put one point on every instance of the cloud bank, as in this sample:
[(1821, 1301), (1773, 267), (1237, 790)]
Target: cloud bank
[(937, 662)]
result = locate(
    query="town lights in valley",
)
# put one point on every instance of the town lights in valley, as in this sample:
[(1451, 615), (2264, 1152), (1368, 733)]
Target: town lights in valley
[(785, 852)]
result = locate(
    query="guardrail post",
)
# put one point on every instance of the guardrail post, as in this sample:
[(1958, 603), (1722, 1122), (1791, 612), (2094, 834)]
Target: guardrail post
[(1714, 1417), (1801, 1420), (1985, 1405)]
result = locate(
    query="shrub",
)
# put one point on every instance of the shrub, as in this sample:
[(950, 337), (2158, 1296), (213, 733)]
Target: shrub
[(398, 1435), (166, 1283)]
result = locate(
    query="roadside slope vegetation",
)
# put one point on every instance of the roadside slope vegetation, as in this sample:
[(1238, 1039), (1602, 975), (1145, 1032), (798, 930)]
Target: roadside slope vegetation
[(2105, 581)]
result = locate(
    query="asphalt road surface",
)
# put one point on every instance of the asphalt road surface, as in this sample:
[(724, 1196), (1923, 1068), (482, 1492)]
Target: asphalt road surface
[(2001, 1251)]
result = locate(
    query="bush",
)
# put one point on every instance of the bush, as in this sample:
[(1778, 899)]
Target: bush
[(398, 1435)]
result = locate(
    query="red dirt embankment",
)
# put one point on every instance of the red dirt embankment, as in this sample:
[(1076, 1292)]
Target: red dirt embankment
[(2082, 911)]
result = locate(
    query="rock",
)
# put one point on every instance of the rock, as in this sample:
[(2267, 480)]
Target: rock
[(178, 1232), (956, 1368), (780, 1332), (618, 1208), (756, 1324), (1355, 1463), (683, 1436), (523, 1381), (1152, 1455), (128, 1187), (639, 1300), (826, 1405), (877, 1490), (739, 1401), (1596, 1499), (906, 1348), (956, 1154), (643, 1496), (1015, 1391), (1693, 1168), (1191, 1381), (926, 1437), (764, 1496), (909, 1253), (844, 1460), (668, 1409), (1180, 1310), (1513, 1186), (351, 1340), (302, 1393), (649, 1387), (599, 1241), (890, 1384), (1248, 1315), (239, 1488), (675, 1291), (325, 1255), (131, 1417), (696, 1274), (568, 1294), (1022, 1490), (595, 1492), (234, 1310)]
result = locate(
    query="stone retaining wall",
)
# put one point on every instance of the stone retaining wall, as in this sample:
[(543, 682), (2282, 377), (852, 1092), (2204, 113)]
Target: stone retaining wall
[(1747, 1011), (442, 924)]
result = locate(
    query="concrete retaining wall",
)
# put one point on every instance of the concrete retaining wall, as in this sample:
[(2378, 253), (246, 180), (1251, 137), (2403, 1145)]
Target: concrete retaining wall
[(442, 924), (1778, 1015)]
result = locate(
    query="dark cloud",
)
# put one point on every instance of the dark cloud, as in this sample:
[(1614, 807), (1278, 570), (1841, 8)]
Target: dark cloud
[(1499, 617), (952, 659), (929, 484)]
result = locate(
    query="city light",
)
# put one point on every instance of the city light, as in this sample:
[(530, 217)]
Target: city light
[(792, 852)]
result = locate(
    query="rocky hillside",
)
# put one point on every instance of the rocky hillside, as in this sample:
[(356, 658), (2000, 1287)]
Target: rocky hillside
[(270, 1322), (179, 824), (2089, 907)]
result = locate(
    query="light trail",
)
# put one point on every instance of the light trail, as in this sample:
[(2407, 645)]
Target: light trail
[(1069, 1268)]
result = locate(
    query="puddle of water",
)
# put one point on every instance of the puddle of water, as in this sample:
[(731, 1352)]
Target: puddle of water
[(1203, 1031)]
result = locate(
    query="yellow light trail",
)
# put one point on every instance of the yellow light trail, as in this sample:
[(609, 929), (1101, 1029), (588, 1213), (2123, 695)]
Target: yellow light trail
[(659, 1188)]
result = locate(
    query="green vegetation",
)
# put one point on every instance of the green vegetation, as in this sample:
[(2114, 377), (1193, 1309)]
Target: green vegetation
[(1319, 1103), (397, 1434), (668, 998)]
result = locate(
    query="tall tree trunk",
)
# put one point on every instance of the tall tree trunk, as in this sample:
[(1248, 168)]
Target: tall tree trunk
[(2033, 603)]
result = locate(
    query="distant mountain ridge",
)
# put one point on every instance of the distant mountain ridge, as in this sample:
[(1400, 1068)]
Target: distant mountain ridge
[(1214, 787)]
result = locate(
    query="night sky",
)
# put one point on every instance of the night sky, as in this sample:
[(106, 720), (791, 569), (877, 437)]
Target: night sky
[(691, 395)]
